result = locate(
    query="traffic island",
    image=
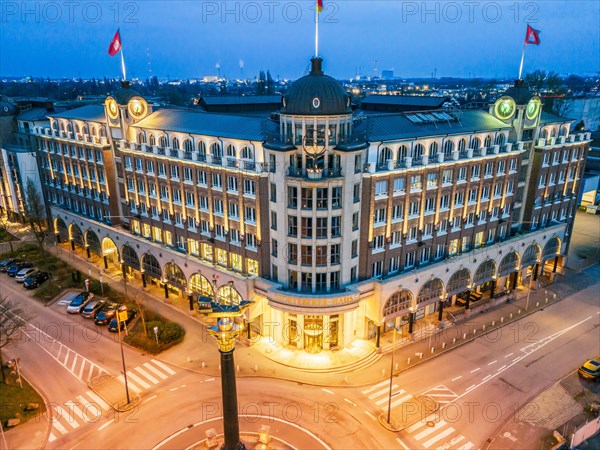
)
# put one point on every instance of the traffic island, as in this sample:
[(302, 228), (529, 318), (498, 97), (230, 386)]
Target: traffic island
[(409, 413), (112, 391)]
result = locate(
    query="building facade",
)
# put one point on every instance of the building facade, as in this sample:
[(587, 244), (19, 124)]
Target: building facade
[(334, 222)]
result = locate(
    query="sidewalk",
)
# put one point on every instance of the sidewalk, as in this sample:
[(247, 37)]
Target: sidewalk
[(198, 351)]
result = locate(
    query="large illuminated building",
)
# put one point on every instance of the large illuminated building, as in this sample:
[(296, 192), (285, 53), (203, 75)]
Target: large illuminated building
[(334, 222)]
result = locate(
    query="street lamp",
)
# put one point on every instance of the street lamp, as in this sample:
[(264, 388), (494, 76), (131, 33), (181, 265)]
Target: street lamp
[(225, 332), (529, 285)]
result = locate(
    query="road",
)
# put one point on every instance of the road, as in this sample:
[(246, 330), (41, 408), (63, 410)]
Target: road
[(478, 386)]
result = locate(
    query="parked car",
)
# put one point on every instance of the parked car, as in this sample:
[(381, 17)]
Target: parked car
[(36, 279), (14, 269), (92, 308), (4, 265), (25, 273), (590, 370), (106, 313), (79, 302), (131, 313)]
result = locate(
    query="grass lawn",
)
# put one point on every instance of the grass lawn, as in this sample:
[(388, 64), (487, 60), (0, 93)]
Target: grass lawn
[(169, 334), (14, 400)]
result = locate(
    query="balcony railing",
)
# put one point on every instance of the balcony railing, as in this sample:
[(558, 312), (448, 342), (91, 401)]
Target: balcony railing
[(315, 174)]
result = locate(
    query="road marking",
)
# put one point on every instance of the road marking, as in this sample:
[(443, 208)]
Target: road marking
[(138, 380), (73, 407), (370, 415), (90, 372), (486, 377), (516, 359), (475, 370), (467, 446), (106, 424), (328, 391), (51, 438), (350, 401), (383, 391), (209, 379), (163, 367), (470, 387), (399, 401), (59, 426), (402, 443), (429, 430), (74, 363), (493, 362), (452, 443), (87, 405), (416, 426), (155, 371), (442, 435), (64, 414), (131, 386), (500, 369), (173, 389), (150, 398), (510, 354), (97, 399), (457, 378), (146, 374), (385, 399), (372, 388)]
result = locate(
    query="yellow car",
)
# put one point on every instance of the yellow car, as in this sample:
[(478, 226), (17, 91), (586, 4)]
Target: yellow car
[(591, 369)]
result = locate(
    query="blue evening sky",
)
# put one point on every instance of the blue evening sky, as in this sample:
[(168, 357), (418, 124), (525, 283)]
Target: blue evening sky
[(188, 39)]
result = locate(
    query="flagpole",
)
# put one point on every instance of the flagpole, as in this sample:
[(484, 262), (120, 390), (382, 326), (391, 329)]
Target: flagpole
[(123, 65), (522, 58), (317, 31)]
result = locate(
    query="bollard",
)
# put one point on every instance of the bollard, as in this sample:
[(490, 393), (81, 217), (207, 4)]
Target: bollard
[(396, 366), (553, 296), (256, 367), (203, 364), (493, 322), (219, 367), (474, 331), (483, 327), (454, 340), (519, 312), (464, 335), (345, 380), (382, 371), (443, 345), (537, 304), (408, 361), (237, 367), (502, 319), (510, 316), (432, 349), (546, 300)]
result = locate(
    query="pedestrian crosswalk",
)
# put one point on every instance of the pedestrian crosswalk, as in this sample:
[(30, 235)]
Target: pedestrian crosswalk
[(379, 395), (435, 433), (441, 394), (90, 407)]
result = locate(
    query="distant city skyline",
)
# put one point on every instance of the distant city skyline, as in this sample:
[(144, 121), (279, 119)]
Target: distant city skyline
[(191, 39)]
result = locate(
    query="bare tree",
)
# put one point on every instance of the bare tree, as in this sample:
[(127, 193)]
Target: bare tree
[(4, 233), (12, 319), (35, 211)]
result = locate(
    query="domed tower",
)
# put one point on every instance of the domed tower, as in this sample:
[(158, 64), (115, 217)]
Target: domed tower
[(315, 177), (124, 107)]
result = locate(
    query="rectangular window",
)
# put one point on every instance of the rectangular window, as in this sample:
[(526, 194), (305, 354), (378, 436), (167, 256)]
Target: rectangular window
[(334, 282), (432, 180), (175, 172), (218, 207), (307, 198), (306, 255), (322, 227), (397, 212), (307, 227), (232, 184), (378, 268), (187, 174), (447, 176), (217, 181), (273, 220), (201, 175), (189, 199), (292, 253), (378, 242), (335, 254), (415, 182), (357, 193), (445, 201), (381, 188), (250, 215), (293, 226), (357, 163), (320, 255), (380, 216), (475, 172), (322, 198), (355, 248), (292, 197), (485, 193), (355, 221), (461, 175), (336, 226), (176, 196), (399, 185), (203, 201), (336, 198), (273, 192), (489, 167), (429, 205), (249, 188), (414, 208), (409, 260)]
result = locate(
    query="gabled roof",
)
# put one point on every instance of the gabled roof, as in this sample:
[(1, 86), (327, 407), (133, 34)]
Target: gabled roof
[(209, 124), (33, 114), (405, 100), (398, 126), (91, 113), (547, 117)]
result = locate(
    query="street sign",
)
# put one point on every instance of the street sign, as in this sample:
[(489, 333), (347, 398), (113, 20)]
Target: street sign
[(122, 316)]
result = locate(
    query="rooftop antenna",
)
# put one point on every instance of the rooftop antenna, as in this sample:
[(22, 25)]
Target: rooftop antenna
[(218, 66), (149, 62), (241, 68)]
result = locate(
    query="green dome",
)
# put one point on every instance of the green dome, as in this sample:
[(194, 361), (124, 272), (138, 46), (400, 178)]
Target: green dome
[(125, 93), (316, 94)]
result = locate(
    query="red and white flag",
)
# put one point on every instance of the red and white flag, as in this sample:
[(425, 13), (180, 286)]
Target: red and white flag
[(532, 36), (115, 44)]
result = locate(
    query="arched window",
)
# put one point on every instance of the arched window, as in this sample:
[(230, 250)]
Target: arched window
[(130, 257), (402, 152), (216, 151), (475, 143), (102, 132), (175, 276), (247, 153), (141, 137), (431, 291), (175, 143), (531, 256), (76, 128), (485, 272), (162, 141), (202, 148), (509, 264), (188, 146), (152, 140), (85, 129), (200, 284), (93, 131), (448, 149), (488, 141), (62, 126), (70, 127), (230, 151), (93, 243), (397, 304), (227, 295), (385, 154), (151, 266), (551, 249), (459, 282), (433, 150), (418, 152), (553, 132), (563, 130), (545, 133), (462, 144), (499, 139)]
